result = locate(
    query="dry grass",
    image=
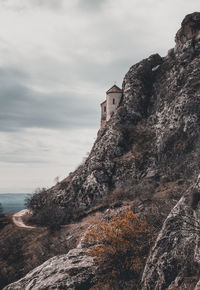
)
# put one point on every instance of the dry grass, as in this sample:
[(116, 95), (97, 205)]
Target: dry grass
[(171, 190), (22, 249)]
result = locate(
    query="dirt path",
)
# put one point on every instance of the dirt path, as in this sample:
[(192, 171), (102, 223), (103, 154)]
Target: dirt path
[(18, 221)]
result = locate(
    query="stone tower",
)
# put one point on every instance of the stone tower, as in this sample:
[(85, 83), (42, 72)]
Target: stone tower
[(108, 107)]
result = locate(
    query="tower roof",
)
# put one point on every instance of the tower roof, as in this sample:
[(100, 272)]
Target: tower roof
[(114, 89), (103, 102)]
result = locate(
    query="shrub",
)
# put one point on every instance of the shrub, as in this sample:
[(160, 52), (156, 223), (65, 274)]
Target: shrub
[(37, 200), (47, 212), (130, 190), (123, 245), (51, 216)]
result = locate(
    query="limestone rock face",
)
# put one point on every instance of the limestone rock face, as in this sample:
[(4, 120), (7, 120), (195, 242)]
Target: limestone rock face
[(106, 168), (155, 131), (72, 271), (176, 253), (189, 31)]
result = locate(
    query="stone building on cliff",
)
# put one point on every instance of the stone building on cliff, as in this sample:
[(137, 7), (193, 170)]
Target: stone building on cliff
[(108, 107)]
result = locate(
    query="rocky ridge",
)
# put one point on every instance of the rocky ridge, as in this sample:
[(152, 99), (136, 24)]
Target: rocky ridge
[(153, 138), (155, 125)]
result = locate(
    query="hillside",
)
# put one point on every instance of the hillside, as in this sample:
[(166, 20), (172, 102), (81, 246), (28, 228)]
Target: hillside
[(148, 157)]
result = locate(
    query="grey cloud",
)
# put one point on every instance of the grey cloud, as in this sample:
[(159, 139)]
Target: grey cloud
[(104, 74), (91, 4), (22, 107), (48, 3), (19, 5)]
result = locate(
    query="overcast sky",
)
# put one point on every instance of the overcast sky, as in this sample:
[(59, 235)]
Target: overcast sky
[(57, 59)]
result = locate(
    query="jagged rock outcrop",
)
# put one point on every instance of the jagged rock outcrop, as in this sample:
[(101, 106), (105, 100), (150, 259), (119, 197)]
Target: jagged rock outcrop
[(107, 166), (188, 35), (153, 134), (72, 271), (175, 258), (153, 138)]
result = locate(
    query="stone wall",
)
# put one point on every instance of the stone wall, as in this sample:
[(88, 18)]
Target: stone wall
[(112, 103)]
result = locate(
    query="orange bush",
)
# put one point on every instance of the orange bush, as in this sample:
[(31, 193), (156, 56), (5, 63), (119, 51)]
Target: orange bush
[(122, 245)]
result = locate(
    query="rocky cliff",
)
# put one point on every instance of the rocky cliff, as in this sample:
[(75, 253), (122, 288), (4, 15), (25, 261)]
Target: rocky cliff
[(175, 257), (149, 153), (154, 134)]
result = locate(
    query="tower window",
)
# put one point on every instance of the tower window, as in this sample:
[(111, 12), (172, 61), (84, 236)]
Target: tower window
[(104, 109), (113, 101)]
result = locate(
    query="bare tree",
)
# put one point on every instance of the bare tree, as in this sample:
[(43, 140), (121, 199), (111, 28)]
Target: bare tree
[(57, 179)]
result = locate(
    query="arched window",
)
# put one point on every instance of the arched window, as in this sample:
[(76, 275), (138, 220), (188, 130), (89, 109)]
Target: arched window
[(113, 101)]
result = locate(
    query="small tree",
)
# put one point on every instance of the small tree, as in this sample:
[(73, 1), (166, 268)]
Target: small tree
[(27, 200), (57, 179), (37, 200), (123, 245), (51, 216)]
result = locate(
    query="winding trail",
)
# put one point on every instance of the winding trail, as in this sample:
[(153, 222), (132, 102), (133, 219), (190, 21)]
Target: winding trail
[(18, 221)]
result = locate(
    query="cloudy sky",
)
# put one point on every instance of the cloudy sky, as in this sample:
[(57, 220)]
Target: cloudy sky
[(57, 59)]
